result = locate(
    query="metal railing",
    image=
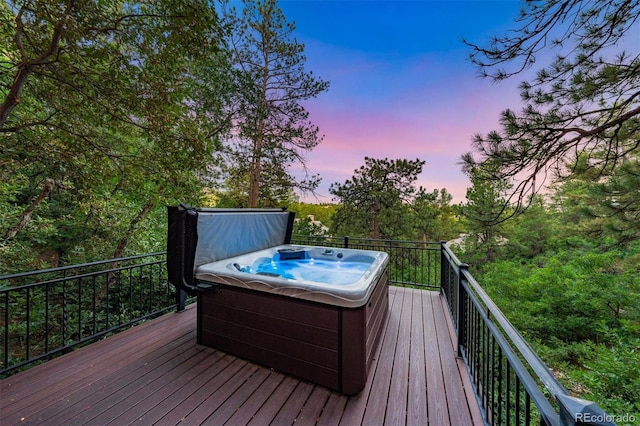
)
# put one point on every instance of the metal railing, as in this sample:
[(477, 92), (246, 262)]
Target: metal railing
[(411, 263), (47, 312), (43, 313), (513, 386)]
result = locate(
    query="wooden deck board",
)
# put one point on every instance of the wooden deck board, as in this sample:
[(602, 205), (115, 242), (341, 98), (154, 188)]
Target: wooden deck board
[(274, 403), (155, 373), (73, 370), (379, 394), (438, 411), (417, 392), (398, 389), (166, 395)]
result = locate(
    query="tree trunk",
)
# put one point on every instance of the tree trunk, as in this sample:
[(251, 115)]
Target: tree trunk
[(25, 67), (254, 175), (132, 227), (13, 96), (118, 252), (256, 166), (25, 217), (375, 232)]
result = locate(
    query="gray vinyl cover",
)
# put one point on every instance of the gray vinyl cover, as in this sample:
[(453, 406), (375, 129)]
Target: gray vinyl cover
[(224, 235)]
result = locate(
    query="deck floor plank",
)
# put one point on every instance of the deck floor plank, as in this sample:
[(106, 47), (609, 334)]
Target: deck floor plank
[(69, 389), (213, 363), (237, 398), (292, 406), (274, 403), (156, 373), (436, 400), (131, 395), (103, 394), (188, 403), (245, 412), (216, 399), (332, 412), (311, 410), (379, 394), (417, 392), (175, 407), (89, 365), (451, 373)]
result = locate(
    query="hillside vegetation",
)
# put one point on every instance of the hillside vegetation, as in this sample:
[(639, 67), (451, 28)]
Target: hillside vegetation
[(109, 111)]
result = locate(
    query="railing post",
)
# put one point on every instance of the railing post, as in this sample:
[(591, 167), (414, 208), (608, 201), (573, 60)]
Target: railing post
[(461, 308), (346, 241), (181, 298), (575, 411), (443, 274)]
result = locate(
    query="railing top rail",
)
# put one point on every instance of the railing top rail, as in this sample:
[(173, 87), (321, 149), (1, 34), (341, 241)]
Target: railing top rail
[(435, 244), (77, 276), (544, 406), (77, 266), (537, 365)]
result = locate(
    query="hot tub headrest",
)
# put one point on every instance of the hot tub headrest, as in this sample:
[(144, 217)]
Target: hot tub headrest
[(289, 254), (199, 236)]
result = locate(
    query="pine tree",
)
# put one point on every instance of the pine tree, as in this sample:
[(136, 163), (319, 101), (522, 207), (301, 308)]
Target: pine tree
[(272, 129), (586, 101)]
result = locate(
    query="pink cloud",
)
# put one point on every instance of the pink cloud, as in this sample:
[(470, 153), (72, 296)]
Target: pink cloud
[(426, 106)]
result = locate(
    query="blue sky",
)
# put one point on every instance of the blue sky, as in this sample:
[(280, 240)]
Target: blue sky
[(402, 85)]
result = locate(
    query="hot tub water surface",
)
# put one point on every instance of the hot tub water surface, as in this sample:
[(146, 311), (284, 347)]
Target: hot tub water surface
[(335, 270), (336, 276)]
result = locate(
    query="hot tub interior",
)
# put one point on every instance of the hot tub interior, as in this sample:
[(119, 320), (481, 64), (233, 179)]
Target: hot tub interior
[(316, 313), (331, 267), (343, 277)]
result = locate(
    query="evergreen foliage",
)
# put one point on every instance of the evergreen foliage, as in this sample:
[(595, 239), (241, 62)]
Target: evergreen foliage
[(271, 129), (110, 110), (584, 102), (382, 201), (574, 295), (376, 195), (103, 122)]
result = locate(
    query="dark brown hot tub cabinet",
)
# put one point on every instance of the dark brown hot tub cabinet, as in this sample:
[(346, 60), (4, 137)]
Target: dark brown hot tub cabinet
[(324, 343), (328, 345)]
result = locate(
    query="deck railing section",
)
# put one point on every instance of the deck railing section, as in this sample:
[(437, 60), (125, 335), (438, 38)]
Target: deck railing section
[(46, 312), (411, 263), (512, 384), (43, 313)]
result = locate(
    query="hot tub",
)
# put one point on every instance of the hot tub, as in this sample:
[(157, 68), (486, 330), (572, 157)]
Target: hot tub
[(313, 312), (340, 277)]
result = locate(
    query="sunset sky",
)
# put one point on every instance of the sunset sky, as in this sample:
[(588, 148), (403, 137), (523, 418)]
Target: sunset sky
[(402, 85)]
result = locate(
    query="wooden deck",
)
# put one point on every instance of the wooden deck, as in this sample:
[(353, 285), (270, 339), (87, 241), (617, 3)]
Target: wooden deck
[(155, 373)]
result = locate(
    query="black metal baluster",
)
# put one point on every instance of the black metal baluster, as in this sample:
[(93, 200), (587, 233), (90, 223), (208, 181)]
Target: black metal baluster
[(130, 297), (93, 304), (79, 309), (6, 330), (28, 315), (46, 317), (518, 414), (507, 394), (499, 403)]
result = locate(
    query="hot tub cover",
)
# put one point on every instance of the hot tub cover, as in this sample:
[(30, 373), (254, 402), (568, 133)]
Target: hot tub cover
[(200, 236)]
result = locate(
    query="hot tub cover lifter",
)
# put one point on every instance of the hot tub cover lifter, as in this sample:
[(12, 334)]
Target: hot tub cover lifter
[(197, 236)]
